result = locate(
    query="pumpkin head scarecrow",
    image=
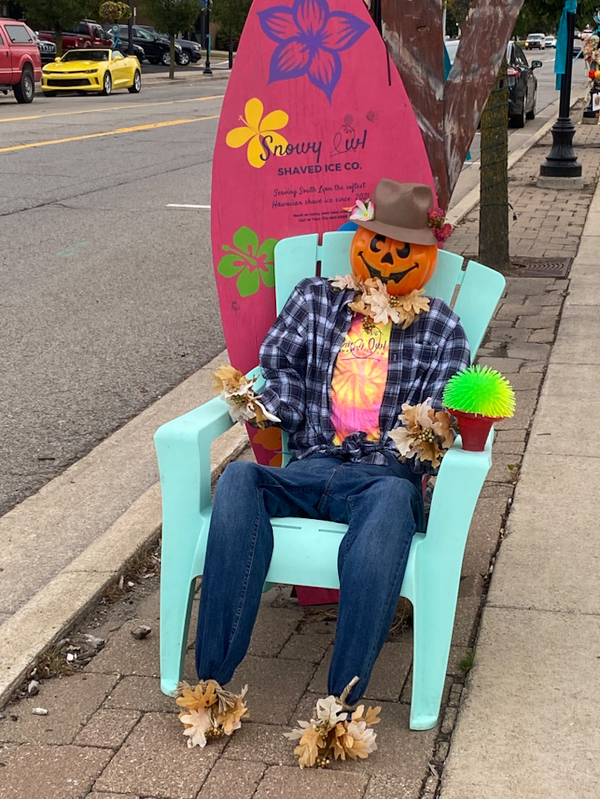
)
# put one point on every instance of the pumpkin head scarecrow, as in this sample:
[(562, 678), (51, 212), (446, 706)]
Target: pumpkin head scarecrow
[(397, 243), (346, 362)]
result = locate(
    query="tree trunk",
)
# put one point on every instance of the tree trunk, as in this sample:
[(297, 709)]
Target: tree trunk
[(172, 53), (493, 204), (58, 37)]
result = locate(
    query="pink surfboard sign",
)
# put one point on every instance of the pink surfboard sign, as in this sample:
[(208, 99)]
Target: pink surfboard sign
[(314, 115)]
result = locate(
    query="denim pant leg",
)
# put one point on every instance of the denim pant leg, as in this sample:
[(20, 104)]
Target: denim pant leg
[(239, 549), (384, 512)]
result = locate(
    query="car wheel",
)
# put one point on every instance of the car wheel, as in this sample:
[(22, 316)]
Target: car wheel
[(106, 84), (531, 113), (184, 58), (49, 94), (25, 88), (165, 58), (137, 83)]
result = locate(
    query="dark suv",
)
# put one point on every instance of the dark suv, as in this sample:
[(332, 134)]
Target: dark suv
[(156, 48)]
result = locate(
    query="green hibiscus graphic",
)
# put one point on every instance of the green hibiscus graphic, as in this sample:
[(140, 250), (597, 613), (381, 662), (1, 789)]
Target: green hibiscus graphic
[(249, 261)]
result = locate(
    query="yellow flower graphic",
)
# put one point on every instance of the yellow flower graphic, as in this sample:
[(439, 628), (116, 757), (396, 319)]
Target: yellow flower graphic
[(259, 133)]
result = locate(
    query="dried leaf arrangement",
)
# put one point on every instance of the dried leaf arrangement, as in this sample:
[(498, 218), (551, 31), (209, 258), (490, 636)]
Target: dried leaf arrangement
[(335, 733), (425, 432), (377, 305), (480, 390), (209, 711), (238, 392)]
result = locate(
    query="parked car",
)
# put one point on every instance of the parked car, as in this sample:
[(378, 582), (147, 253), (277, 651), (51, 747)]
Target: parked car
[(535, 40), (522, 83), (86, 33), (190, 51), (577, 33), (123, 47), (20, 60), (98, 71), (587, 32), (550, 41), (156, 48), (47, 49)]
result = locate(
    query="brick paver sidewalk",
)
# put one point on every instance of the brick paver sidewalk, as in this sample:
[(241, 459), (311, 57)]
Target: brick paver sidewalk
[(110, 733)]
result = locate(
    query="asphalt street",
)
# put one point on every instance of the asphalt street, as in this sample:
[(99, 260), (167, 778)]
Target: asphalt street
[(107, 292), (108, 298)]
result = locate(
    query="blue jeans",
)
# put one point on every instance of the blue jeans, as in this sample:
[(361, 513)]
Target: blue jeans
[(382, 506)]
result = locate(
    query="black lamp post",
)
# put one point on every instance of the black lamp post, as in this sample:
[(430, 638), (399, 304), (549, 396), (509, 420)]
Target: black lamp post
[(561, 161), (207, 70)]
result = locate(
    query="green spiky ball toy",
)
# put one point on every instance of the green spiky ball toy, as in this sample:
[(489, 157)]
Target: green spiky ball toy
[(480, 390)]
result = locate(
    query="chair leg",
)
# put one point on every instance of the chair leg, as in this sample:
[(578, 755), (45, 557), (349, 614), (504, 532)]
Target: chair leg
[(175, 610), (433, 624)]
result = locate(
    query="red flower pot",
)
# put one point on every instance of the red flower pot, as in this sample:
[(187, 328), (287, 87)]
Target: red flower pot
[(474, 429)]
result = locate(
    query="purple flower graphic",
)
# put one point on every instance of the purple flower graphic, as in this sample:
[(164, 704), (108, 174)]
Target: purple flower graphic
[(309, 38)]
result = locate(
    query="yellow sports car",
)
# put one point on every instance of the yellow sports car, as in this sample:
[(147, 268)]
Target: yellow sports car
[(92, 71)]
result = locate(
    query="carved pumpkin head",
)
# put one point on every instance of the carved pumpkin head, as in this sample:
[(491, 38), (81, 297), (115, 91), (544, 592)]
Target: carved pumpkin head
[(402, 266), (395, 241)]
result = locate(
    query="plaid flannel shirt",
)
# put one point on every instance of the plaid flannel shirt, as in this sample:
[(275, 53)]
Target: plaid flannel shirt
[(298, 356)]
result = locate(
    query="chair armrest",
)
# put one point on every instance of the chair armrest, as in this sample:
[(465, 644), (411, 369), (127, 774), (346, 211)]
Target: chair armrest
[(457, 488), (183, 451)]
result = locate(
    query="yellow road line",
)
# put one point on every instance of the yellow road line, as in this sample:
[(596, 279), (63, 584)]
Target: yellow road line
[(106, 133), (113, 108)]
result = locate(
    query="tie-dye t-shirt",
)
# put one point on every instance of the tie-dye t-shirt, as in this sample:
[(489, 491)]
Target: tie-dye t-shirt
[(359, 379)]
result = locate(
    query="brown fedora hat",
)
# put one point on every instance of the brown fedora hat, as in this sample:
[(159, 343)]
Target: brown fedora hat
[(401, 212)]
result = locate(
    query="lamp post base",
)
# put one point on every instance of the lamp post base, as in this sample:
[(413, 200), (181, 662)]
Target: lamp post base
[(569, 184), (561, 161)]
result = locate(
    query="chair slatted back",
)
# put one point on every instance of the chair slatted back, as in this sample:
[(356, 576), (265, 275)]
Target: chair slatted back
[(479, 287)]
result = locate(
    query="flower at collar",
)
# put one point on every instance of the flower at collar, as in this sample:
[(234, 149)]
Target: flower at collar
[(350, 281), (374, 302), (309, 39)]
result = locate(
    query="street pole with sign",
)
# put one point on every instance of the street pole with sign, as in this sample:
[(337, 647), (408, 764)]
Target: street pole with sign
[(561, 162), (207, 70)]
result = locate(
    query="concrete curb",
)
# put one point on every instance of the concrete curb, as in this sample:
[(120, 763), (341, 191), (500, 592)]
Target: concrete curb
[(54, 609), (151, 81)]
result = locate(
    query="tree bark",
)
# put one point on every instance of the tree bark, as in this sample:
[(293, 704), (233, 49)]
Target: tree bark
[(493, 204), (58, 37)]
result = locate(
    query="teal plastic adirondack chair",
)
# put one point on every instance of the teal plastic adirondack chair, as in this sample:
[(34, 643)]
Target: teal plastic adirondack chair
[(305, 550)]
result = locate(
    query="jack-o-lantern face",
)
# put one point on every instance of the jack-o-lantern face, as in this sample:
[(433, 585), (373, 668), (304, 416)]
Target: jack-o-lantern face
[(403, 267)]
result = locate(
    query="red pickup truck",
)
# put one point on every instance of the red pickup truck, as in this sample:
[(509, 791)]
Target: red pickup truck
[(20, 62), (85, 34)]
